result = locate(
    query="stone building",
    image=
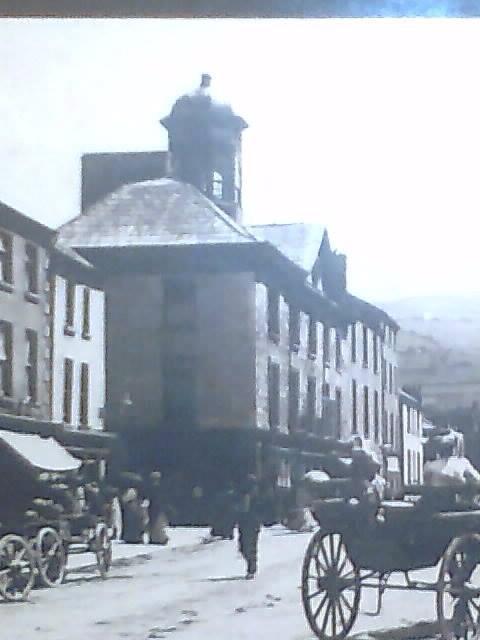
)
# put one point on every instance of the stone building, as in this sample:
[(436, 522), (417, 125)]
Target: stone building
[(32, 340), (214, 334), (224, 342)]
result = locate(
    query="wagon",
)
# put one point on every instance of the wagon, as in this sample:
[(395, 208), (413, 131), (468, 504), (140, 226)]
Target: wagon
[(36, 533), (361, 543)]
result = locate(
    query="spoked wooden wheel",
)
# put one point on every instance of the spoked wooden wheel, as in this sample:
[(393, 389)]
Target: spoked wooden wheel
[(51, 557), (330, 587), (458, 589), (17, 568), (103, 550)]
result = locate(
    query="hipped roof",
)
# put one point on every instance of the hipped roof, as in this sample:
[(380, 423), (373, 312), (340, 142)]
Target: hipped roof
[(153, 213)]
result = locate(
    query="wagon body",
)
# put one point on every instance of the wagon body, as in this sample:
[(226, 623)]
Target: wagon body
[(400, 537), (360, 540)]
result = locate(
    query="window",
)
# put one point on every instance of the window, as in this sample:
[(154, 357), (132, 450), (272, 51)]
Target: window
[(419, 468), (179, 302), (409, 418), (353, 343), (375, 353), (273, 311), (366, 412), (409, 467), (365, 346), (293, 398), (294, 329), (354, 407), (31, 365), (384, 427), (384, 373), (326, 345), (67, 390), (273, 394), (311, 402), (180, 391), (392, 430), (84, 393), (390, 378), (338, 350), (312, 336), (86, 313), (6, 358), (31, 265), (376, 416), (217, 185), (338, 401), (6, 258), (69, 305)]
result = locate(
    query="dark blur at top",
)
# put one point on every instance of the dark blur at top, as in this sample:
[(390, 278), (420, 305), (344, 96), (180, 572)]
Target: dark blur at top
[(243, 8)]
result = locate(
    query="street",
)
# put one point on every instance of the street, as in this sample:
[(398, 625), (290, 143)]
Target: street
[(197, 591)]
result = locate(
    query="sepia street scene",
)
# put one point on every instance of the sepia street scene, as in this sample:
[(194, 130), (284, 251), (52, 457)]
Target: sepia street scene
[(239, 330)]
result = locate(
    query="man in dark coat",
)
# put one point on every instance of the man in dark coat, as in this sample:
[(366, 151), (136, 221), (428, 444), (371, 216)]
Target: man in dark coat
[(249, 523), (224, 513)]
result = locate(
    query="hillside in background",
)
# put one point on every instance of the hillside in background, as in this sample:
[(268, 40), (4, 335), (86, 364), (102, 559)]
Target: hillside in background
[(452, 321), (439, 347)]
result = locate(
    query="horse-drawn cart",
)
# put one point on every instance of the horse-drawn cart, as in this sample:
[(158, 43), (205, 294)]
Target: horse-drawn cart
[(362, 542), (39, 527)]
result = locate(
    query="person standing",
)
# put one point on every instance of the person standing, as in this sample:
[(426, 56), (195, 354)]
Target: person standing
[(223, 513), (249, 524), (156, 511)]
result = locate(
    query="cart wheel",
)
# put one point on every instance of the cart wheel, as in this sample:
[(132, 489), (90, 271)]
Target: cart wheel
[(458, 589), (103, 549), (330, 587), (17, 568), (51, 557)]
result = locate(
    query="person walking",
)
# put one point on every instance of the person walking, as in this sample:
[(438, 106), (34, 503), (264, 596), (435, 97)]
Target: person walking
[(249, 524)]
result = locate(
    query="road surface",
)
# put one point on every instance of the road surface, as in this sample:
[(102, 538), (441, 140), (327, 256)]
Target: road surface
[(195, 591)]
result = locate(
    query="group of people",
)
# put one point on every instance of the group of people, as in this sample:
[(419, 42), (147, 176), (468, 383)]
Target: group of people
[(145, 515), (144, 512)]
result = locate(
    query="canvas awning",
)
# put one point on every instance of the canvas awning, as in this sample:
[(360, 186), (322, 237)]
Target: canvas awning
[(44, 454)]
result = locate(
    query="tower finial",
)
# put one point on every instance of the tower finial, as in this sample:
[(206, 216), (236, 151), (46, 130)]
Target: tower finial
[(206, 80)]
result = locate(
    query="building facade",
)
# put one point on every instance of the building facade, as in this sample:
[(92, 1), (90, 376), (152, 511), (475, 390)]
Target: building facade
[(35, 341), (411, 428), (78, 343), (24, 315)]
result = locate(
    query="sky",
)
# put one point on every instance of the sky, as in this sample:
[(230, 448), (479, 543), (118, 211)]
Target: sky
[(370, 127)]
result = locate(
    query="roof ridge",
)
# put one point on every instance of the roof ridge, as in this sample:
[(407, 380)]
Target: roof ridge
[(288, 224), (236, 226)]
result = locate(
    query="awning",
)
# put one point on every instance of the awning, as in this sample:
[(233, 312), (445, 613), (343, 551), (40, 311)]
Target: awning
[(45, 454)]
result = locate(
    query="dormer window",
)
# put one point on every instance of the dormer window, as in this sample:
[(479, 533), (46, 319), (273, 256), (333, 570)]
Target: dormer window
[(217, 185)]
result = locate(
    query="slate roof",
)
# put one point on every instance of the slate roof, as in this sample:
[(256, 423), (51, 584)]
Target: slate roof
[(300, 242), (153, 213)]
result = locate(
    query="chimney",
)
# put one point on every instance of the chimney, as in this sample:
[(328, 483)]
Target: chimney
[(103, 173)]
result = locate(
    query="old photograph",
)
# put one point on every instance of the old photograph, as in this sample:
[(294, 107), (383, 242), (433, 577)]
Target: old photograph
[(239, 329)]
